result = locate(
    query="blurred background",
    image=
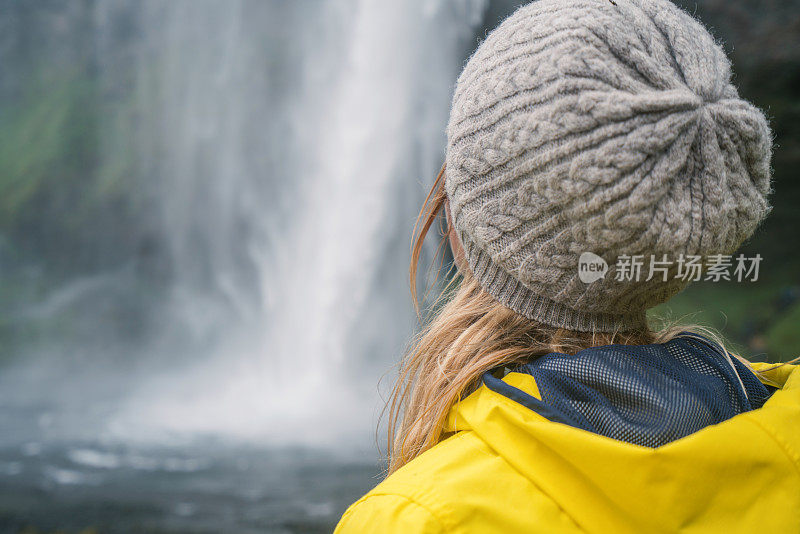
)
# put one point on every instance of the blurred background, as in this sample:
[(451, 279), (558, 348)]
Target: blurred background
[(205, 218)]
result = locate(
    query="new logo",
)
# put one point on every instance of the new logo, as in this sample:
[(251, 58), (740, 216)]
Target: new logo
[(591, 267)]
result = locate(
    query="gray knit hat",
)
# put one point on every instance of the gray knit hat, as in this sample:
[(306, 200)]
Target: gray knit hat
[(604, 127)]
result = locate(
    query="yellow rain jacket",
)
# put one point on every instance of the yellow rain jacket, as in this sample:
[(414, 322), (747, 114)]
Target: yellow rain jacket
[(507, 469)]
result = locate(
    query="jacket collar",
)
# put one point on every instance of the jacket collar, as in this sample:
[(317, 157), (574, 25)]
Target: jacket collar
[(644, 394)]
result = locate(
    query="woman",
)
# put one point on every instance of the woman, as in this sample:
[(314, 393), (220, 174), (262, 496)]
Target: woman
[(595, 150)]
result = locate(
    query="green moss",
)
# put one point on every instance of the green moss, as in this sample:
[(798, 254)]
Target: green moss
[(34, 143), (69, 187), (746, 314), (784, 336)]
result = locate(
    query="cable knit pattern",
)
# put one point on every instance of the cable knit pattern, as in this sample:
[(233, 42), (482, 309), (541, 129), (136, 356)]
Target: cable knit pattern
[(612, 128)]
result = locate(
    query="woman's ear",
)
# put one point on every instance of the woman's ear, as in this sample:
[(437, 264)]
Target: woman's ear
[(455, 244)]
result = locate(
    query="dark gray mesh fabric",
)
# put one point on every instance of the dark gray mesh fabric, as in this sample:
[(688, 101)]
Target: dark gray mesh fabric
[(643, 394)]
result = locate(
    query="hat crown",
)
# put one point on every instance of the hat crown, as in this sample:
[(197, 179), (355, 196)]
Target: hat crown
[(612, 128)]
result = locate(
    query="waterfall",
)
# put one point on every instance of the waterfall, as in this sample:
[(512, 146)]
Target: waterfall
[(290, 145)]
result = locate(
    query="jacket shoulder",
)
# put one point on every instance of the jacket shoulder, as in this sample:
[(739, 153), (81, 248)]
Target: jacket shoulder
[(459, 485)]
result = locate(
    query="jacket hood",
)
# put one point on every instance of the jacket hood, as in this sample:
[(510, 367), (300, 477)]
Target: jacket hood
[(584, 443)]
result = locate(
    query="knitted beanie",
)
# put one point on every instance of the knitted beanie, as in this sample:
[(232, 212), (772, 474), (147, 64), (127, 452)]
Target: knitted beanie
[(610, 128)]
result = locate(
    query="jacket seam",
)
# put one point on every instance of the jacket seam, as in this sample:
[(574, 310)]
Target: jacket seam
[(793, 458), (788, 451), (412, 500), (523, 475), (541, 490)]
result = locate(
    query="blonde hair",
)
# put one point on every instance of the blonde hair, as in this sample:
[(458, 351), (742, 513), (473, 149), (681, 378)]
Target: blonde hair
[(469, 332)]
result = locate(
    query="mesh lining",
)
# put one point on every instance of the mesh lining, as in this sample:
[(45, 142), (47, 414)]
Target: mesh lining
[(649, 395)]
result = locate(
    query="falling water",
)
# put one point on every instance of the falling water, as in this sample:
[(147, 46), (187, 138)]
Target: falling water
[(293, 143), (278, 153)]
